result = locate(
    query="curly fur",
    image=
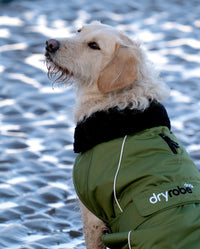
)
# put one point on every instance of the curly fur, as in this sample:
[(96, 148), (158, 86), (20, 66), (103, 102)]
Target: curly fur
[(74, 60)]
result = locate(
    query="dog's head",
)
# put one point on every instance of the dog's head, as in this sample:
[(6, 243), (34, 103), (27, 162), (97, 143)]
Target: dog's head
[(108, 69), (97, 53)]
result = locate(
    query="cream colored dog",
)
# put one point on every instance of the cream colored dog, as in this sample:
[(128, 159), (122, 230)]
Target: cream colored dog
[(107, 70)]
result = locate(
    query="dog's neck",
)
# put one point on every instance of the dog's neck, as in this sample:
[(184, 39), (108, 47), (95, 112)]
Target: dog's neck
[(90, 100), (103, 126)]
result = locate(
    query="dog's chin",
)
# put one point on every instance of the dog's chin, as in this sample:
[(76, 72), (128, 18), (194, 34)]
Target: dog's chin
[(57, 73)]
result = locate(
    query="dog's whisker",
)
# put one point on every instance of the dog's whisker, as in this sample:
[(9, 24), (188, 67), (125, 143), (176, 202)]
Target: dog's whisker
[(57, 74)]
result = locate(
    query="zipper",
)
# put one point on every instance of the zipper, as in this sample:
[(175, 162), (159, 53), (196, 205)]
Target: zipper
[(172, 145)]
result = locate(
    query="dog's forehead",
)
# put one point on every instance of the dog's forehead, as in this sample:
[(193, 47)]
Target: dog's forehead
[(98, 27), (100, 31)]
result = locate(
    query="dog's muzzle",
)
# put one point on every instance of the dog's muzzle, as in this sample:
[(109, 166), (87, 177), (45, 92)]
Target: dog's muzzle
[(56, 72)]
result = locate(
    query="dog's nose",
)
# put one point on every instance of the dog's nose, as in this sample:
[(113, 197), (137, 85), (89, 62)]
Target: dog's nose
[(52, 45)]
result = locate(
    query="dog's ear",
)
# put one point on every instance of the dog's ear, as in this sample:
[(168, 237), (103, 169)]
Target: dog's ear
[(120, 72)]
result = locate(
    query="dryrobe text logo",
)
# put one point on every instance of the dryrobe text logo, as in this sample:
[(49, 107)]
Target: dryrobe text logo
[(171, 193)]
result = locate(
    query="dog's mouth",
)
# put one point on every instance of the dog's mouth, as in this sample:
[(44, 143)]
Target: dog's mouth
[(56, 73)]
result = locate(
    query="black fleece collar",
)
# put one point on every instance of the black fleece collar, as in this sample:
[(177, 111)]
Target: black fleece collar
[(113, 123)]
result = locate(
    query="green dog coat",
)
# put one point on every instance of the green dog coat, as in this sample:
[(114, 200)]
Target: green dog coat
[(143, 185)]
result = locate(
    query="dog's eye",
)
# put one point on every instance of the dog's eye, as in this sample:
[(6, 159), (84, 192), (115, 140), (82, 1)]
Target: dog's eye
[(79, 30), (94, 45)]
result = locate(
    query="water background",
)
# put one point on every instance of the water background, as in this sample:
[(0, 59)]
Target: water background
[(38, 206)]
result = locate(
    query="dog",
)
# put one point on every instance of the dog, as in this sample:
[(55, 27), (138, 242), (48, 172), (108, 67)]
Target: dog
[(138, 187)]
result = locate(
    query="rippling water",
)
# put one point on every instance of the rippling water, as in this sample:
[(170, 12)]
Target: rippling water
[(38, 207)]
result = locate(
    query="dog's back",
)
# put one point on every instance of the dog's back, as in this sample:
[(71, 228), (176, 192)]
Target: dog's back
[(157, 201)]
